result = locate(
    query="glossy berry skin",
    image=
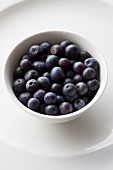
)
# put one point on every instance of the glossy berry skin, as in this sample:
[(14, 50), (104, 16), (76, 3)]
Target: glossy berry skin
[(25, 57), (31, 74), (24, 97), (25, 64), (56, 88), (50, 98), (78, 67), (64, 63), (51, 110), (19, 73), (34, 52), (46, 74), (77, 78), (65, 108), (40, 66), (51, 61), (67, 80), (69, 74), (69, 90), (39, 94), (91, 62), (93, 85), (81, 88), (79, 104), (33, 104), (72, 98), (83, 55), (72, 51), (65, 43), (56, 49), (88, 73), (60, 99), (45, 47), (41, 108), (19, 85), (44, 83), (57, 74), (32, 85)]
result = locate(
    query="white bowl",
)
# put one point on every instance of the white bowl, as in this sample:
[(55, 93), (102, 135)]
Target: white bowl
[(53, 37)]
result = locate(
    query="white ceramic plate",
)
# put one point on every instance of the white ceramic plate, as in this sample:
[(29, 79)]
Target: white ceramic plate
[(85, 143)]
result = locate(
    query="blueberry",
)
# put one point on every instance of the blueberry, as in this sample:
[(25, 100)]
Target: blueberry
[(19, 85), (65, 108), (18, 73), (31, 74), (45, 47), (33, 104), (50, 98), (69, 90), (83, 55), (86, 99), (56, 49), (56, 88), (65, 43), (72, 98), (32, 85), (60, 99), (93, 85), (25, 57), (81, 88), (57, 74), (79, 104), (73, 61), (91, 62), (24, 97), (67, 80), (78, 67), (39, 94), (44, 82), (69, 74), (46, 74), (41, 108), (64, 63), (77, 78), (34, 52), (40, 66), (51, 61), (88, 73), (51, 110), (72, 51), (25, 64)]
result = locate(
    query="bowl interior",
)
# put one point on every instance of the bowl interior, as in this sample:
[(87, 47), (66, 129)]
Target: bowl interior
[(53, 37)]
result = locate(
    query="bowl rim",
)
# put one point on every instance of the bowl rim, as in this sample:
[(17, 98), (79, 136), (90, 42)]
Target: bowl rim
[(70, 116)]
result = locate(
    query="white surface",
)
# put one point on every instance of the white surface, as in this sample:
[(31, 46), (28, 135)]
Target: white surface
[(26, 143)]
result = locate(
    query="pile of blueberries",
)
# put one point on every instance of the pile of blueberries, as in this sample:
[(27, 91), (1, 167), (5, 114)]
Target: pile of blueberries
[(56, 79)]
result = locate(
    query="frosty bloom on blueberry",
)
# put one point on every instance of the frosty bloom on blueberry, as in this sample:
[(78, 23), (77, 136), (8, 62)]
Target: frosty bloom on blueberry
[(56, 79)]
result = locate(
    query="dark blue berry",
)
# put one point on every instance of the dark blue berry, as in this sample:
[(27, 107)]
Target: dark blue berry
[(56, 88), (91, 62), (33, 104), (69, 90), (64, 63), (79, 104), (32, 85), (50, 98), (65, 108), (25, 64), (40, 66), (24, 97), (88, 73), (51, 61), (67, 80), (34, 52), (45, 47), (83, 55), (65, 43), (86, 99), (81, 88), (39, 94), (46, 74), (56, 49), (78, 67), (25, 57), (19, 85), (72, 51), (77, 78), (41, 108), (69, 74), (51, 110), (57, 74), (44, 82), (19, 73), (72, 98), (93, 85), (31, 74), (60, 99)]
